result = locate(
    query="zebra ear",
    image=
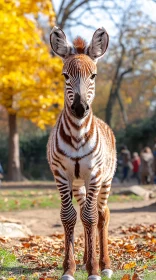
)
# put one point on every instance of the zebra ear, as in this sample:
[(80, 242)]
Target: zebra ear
[(59, 43), (99, 44)]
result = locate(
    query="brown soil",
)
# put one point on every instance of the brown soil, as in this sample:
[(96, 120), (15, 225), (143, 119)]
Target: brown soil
[(47, 221)]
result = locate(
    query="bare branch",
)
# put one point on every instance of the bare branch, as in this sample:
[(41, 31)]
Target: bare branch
[(61, 7), (76, 22), (79, 5)]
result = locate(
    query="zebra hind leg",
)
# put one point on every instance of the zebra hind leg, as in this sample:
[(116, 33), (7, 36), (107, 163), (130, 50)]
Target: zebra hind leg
[(103, 223), (89, 217)]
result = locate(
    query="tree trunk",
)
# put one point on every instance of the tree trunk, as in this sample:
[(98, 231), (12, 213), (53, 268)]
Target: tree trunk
[(109, 107), (123, 111), (14, 171), (114, 94)]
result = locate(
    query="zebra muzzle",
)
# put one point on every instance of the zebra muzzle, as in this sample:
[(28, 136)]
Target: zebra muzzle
[(80, 110)]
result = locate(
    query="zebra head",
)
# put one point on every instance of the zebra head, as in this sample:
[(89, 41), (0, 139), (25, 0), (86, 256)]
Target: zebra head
[(79, 67)]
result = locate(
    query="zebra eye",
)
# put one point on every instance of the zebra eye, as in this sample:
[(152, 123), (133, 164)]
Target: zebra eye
[(66, 76), (93, 76)]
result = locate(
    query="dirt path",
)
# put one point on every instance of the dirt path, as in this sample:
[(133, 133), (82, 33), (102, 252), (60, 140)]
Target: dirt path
[(47, 221)]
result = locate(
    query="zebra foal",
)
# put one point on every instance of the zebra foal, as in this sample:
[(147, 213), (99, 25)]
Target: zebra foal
[(82, 146)]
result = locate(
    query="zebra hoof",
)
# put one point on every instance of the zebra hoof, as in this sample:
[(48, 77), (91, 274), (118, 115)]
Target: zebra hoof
[(107, 272), (94, 277), (67, 277), (83, 267)]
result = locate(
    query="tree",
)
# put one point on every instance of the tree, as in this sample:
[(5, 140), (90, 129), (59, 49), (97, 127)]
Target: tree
[(135, 39), (75, 12), (138, 92), (30, 81)]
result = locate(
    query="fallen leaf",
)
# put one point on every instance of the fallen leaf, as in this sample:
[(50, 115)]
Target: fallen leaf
[(136, 277), (56, 246), (77, 261), (17, 202), (55, 264), (3, 240), (23, 277), (26, 245), (126, 277), (129, 265)]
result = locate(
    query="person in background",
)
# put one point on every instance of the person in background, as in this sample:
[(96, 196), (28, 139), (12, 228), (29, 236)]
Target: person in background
[(1, 173), (154, 154), (147, 166), (126, 163), (136, 167)]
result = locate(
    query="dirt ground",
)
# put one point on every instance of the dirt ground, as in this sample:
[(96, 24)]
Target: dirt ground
[(47, 221)]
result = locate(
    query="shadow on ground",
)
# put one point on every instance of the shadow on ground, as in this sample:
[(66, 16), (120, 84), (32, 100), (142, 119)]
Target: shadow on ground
[(148, 208)]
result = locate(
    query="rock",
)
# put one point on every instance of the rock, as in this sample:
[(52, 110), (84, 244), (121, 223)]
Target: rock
[(137, 190), (9, 220), (13, 230)]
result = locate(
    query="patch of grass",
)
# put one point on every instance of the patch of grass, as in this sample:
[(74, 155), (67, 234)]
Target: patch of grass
[(124, 198), (149, 275), (7, 259), (9, 265), (30, 199)]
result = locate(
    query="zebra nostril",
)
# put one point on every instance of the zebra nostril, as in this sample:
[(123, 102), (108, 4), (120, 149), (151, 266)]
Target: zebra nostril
[(72, 107), (87, 107)]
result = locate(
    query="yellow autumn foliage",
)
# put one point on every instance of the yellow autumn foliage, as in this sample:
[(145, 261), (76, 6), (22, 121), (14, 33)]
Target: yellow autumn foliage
[(31, 84)]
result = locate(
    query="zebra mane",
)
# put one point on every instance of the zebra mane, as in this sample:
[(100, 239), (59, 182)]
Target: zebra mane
[(79, 45)]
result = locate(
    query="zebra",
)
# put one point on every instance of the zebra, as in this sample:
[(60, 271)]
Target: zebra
[(81, 146)]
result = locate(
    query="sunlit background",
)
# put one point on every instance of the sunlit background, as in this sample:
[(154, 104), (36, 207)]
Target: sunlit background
[(31, 84)]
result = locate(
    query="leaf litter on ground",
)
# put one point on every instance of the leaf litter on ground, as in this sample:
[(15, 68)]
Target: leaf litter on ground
[(133, 251)]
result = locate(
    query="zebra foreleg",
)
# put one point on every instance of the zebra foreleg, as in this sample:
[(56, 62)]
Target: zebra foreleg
[(103, 222), (79, 193), (68, 218), (89, 217)]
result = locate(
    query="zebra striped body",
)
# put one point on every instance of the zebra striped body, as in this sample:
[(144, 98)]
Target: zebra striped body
[(83, 151), (82, 146)]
